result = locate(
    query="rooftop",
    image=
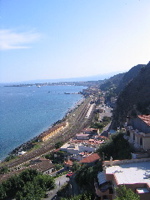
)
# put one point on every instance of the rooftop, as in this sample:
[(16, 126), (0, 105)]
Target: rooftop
[(90, 130), (41, 164), (130, 173), (92, 158), (145, 118), (68, 162), (82, 135)]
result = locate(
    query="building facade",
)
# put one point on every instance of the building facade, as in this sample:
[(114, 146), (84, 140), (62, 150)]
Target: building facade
[(138, 131)]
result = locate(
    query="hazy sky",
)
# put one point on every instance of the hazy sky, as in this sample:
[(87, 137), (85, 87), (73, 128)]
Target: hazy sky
[(49, 39)]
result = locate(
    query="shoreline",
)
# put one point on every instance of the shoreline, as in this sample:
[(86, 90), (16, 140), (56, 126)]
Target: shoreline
[(77, 122), (26, 146)]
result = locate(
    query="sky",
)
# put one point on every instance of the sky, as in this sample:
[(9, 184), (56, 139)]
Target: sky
[(55, 39)]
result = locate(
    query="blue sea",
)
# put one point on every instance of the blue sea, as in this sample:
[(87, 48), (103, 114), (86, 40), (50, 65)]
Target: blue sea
[(25, 112)]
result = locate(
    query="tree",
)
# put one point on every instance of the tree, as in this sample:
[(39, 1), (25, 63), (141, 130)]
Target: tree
[(58, 145), (117, 147), (3, 170), (10, 157), (30, 191), (126, 194), (28, 175), (76, 166), (12, 185), (30, 184), (86, 174), (56, 157), (44, 181), (2, 192), (85, 196)]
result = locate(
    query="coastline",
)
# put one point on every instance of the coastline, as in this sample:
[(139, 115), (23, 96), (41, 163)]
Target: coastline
[(77, 121), (26, 146), (33, 110)]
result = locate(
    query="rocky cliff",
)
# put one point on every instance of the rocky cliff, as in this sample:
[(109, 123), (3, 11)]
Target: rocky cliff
[(134, 98)]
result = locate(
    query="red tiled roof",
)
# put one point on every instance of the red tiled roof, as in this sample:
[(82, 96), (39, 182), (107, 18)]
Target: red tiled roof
[(145, 118), (68, 162), (90, 159)]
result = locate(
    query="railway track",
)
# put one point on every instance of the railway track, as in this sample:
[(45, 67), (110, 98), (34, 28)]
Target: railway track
[(77, 121)]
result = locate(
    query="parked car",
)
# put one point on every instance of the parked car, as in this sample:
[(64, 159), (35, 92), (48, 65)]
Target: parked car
[(69, 174)]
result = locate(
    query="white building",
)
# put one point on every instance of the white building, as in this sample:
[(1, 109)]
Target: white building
[(75, 149), (134, 174)]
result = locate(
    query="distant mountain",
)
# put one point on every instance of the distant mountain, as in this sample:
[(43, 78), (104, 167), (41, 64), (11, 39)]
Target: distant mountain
[(88, 78), (134, 97)]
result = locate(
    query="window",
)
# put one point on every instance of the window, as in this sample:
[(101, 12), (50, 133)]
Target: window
[(133, 136)]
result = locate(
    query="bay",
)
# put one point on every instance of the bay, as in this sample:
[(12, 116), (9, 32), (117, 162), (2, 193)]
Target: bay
[(25, 112)]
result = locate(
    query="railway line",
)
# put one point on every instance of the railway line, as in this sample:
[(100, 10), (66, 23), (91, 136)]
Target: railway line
[(77, 121)]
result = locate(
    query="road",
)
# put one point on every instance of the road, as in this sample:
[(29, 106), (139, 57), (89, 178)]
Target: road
[(107, 112), (60, 181)]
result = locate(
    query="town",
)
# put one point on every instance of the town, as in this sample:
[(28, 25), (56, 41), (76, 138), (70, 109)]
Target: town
[(83, 152)]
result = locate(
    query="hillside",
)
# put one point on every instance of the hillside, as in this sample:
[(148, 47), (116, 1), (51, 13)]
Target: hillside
[(128, 76), (135, 97), (120, 81), (112, 82)]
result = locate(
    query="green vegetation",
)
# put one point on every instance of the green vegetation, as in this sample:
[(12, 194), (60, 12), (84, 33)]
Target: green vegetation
[(64, 191), (85, 196), (57, 157), (117, 147), (10, 157), (76, 166), (111, 92), (106, 120), (144, 107), (126, 194), (4, 170), (100, 125), (86, 174), (30, 184), (134, 96), (35, 146), (58, 145), (58, 166)]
